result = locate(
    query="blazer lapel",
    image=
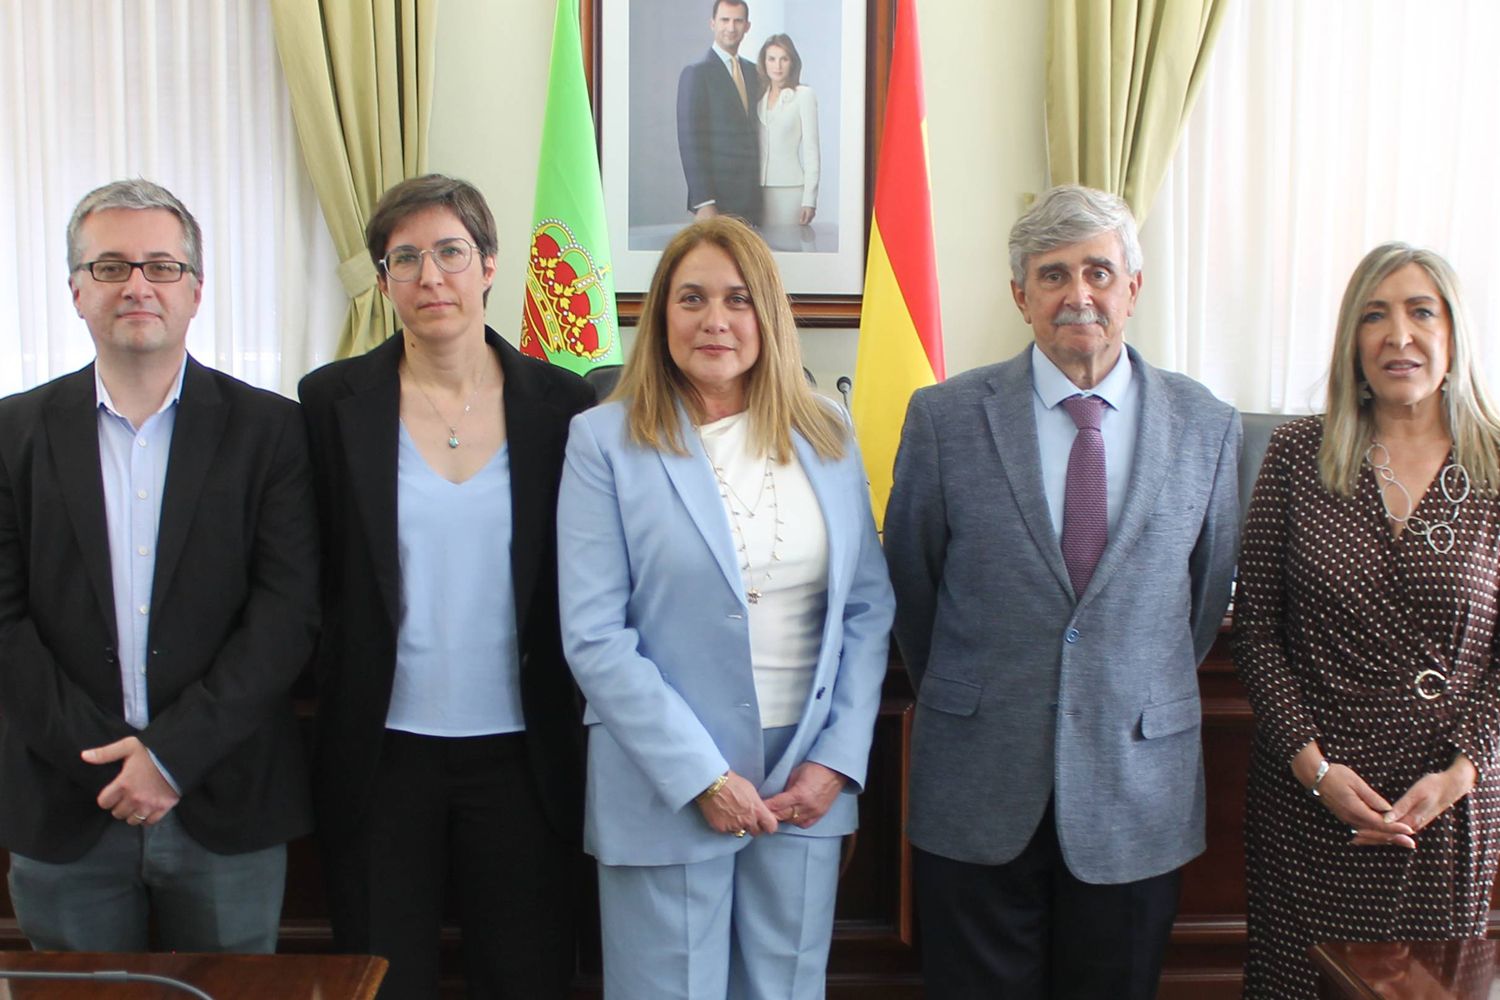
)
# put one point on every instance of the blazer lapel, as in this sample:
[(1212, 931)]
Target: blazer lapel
[(1156, 439), (693, 478), (73, 432), (530, 473), (1013, 429), (369, 421), (196, 432), (821, 475)]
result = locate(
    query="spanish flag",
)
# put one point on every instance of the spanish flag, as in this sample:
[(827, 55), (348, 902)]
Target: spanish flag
[(569, 313), (900, 331)]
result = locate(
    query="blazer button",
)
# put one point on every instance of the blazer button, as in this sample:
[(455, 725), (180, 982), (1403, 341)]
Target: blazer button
[(1072, 635)]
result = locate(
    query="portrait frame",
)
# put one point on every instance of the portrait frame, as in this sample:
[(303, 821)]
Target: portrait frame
[(825, 284)]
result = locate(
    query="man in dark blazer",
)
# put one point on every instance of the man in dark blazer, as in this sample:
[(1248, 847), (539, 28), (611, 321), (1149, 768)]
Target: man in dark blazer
[(1061, 537), (158, 597), (717, 132)]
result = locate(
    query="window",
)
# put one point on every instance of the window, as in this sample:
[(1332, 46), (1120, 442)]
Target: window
[(1322, 130), (188, 93)]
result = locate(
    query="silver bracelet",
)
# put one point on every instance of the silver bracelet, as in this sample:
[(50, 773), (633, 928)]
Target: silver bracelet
[(1318, 779)]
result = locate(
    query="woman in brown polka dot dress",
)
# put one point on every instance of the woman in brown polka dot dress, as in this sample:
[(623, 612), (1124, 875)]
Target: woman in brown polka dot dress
[(1365, 626)]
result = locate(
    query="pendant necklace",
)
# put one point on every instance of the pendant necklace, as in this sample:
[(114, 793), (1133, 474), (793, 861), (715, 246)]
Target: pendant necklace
[(1453, 481), (453, 427), (733, 502)]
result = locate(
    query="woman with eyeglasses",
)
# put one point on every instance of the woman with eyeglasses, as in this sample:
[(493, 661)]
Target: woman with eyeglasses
[(449, 741)]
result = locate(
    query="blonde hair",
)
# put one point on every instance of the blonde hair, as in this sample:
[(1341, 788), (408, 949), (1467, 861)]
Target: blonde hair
[(1348, 424), (778, 398)]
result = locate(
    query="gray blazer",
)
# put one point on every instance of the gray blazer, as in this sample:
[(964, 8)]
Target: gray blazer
[(1027, 691)]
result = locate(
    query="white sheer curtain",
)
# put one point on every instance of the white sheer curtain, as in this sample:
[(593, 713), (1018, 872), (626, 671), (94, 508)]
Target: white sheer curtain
[(187, 93), (1322, 130)]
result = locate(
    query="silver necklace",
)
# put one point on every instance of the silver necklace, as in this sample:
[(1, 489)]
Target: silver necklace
[(733, 502), (1454, 482), (453, 427)]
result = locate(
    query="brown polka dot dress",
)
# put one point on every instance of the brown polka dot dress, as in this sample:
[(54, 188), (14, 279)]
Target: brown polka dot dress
[(1334, 619)]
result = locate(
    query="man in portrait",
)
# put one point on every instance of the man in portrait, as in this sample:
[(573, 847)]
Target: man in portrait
[(717, 133)]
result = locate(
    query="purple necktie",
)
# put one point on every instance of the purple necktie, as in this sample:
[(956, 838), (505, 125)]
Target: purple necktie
[(1086, 501)]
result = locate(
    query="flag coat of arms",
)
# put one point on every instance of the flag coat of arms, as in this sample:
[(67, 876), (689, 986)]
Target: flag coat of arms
[(569, 315)]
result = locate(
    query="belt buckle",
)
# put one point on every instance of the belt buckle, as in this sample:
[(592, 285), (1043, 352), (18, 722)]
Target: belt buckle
[(1433, 676)]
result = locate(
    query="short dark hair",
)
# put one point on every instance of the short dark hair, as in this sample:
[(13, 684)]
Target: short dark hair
[(417, 194), (431, 191), (733, 3)]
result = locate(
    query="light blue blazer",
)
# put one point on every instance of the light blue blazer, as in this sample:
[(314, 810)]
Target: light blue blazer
[(656, 630)]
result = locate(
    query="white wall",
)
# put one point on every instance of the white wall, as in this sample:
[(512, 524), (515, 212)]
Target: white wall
[(985, 88)]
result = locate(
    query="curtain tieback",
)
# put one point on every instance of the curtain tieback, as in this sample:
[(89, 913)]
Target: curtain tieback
[(357, 274)]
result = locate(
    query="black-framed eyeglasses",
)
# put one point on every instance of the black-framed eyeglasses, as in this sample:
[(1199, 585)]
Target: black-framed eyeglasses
[(158, 272), (450, 255)]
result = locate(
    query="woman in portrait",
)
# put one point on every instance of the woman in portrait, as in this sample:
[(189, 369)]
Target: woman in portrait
[(449, 737), (788, 113), (1364, 631), (725, 610)]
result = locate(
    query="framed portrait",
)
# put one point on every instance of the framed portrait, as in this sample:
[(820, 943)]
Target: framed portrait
[(787, 145)]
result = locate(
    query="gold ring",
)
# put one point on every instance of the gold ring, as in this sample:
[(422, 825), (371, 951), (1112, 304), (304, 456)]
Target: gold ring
[(739, 833), (138, 817), (794, 814)]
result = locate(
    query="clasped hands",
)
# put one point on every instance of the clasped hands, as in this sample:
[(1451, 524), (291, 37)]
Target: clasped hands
[(139, 794), (810, 792), (1373, 820)]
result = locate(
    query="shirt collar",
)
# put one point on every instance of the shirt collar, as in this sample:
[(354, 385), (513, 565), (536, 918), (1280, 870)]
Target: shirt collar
[(174, 394), (1052, 386), (724, 57)]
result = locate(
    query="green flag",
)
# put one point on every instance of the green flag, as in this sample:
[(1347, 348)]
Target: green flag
[(569, 317)]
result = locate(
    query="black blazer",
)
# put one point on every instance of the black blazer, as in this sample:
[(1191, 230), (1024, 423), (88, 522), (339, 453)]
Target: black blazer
[(233, 617), (353, 418), (718, 139)]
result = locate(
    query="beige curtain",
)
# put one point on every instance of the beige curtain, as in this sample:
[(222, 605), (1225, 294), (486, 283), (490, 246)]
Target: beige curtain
[(360, 76), (1121, 78)]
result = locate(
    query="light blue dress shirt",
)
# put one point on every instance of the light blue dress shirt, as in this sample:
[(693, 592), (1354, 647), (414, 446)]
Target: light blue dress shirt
[(458, 669), (1055, 430), (133, 463)]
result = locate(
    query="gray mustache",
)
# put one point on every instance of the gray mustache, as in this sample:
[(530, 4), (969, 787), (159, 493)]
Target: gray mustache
[(1077, 317)]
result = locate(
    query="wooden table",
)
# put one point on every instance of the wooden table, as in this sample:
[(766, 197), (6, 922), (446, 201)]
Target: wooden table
[(223, 977), (1419, 970)]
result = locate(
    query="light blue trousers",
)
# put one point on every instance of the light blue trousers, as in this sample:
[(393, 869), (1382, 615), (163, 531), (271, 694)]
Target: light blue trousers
[(104, 901), (753, 925)]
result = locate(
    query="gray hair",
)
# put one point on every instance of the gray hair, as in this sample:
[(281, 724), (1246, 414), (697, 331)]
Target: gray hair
[(138, 194), (1067, 214)]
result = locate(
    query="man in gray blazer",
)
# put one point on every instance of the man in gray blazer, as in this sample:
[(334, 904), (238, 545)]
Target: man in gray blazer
[(1061, 538)]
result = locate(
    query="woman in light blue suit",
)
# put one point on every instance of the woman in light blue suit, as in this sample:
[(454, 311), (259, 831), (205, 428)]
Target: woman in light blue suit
[(725, 610)]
